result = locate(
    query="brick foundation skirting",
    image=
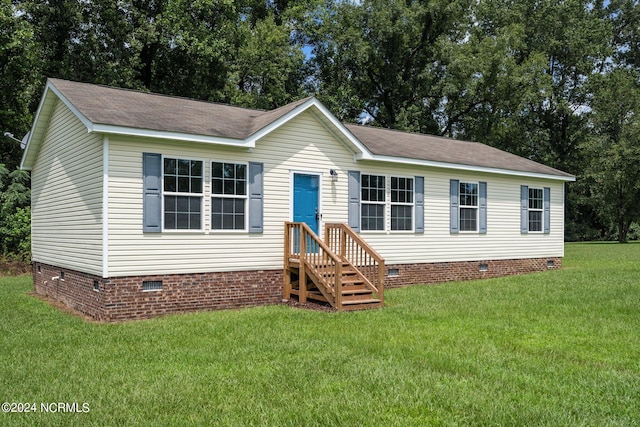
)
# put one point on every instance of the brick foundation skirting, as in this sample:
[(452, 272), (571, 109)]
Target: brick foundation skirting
[(438, 272), (123, 298)]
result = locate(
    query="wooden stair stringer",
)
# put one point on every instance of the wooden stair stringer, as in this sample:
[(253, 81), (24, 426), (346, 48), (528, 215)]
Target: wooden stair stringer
[(320, 283)]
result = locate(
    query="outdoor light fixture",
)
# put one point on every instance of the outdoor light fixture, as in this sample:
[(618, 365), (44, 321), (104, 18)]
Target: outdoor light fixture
[(334, 174)]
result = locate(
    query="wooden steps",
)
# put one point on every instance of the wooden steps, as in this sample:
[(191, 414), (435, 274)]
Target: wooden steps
[(361, 304), (355, 294), (343, 271)]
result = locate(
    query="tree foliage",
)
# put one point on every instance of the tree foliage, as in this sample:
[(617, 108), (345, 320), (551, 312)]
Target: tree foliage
[(15, 218), (386, 58), (541, 79), (614, 149), (18, 79)]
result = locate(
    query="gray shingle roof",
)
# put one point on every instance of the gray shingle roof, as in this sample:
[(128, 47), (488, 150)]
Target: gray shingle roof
[(391, 143), (138, 110)]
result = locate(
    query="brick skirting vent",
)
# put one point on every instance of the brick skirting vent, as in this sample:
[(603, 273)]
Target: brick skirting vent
[(140, 297)]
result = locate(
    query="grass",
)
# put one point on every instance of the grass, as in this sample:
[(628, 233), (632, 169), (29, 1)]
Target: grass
[(559, 348)]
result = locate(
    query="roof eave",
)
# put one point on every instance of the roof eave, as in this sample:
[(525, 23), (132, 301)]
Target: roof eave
[(26, 162), (361, 152), (470, 168), (177, 136), (41, 119)]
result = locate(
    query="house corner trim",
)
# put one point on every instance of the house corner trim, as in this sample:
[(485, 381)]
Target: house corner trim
[(105, 207)]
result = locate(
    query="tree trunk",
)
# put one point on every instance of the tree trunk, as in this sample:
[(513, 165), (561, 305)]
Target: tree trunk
[(623, 230)]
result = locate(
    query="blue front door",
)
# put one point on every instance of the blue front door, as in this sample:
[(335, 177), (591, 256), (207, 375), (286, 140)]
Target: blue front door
[(306, 189)]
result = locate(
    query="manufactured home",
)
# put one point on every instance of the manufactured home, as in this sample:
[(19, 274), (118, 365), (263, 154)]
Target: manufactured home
[(144, 204)]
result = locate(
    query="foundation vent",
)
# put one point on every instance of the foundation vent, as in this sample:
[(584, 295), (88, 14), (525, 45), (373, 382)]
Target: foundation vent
[(152, 285)]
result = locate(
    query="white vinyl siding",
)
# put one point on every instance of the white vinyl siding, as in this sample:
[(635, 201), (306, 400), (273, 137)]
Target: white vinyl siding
[(302, 145), (503, 239), (66, 197), (305, 145)]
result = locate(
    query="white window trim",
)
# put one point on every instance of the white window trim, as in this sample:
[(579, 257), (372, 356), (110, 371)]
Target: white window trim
[(245, 197), (412, 204), (387, 183), (530, 209), (173, 193), (476, 207)]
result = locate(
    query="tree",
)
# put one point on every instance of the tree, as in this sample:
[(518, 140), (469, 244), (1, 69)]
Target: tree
[(384, 58), (268, 70), (57, 26), (527, 65), (15, 214), (614, 150), (625, 15), (18, 80), (228, 52)]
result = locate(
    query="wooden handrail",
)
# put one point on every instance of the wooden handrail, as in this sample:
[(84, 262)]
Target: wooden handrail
[(356, 237), (351, 248), (318, 258)]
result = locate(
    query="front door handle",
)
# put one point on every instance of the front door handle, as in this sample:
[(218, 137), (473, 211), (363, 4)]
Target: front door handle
[(318, 215)]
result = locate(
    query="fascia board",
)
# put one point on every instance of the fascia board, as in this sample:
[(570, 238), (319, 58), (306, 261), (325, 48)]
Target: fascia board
[(147, 133), (279, 122), (27, 148), (85, 121), (44, 109), (468, 168), (362, 152)]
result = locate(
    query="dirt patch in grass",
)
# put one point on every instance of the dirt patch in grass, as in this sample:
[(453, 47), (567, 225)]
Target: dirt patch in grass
[(13, 266), (64, 308), (309, 305)]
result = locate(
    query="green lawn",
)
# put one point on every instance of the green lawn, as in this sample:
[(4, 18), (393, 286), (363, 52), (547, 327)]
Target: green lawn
[(558, 348)]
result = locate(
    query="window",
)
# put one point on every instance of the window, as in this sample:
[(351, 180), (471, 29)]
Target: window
[(372, 198), (182, 194), (535, 210), (228, 196), (373, 202), (536, 207), (468, 206), (401, 203)]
